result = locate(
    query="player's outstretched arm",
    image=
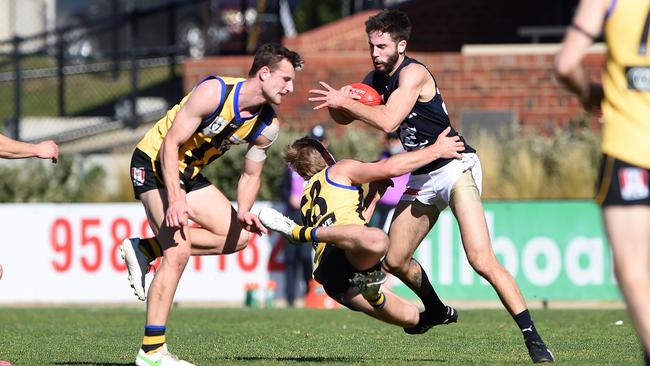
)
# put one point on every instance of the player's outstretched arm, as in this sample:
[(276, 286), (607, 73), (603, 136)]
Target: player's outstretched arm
[(359, 172), (13, 149), (385, 117)]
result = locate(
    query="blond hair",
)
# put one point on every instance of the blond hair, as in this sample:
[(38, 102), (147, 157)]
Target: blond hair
[(304, 158)]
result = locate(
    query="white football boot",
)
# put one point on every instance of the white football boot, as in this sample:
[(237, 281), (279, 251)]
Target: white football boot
[(276, 221), (137, 265), (161, 358)]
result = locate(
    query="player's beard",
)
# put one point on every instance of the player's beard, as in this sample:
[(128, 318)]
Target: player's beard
[(390, 63)]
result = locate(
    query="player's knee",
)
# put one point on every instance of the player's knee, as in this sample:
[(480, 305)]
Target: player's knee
[(412, 317), (178, 257), (242, 241), (375, 242), (485, 264), (394, 265), (233, 245), (630, 274)]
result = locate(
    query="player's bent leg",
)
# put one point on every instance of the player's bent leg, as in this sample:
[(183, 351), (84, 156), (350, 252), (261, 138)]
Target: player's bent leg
[(476, 242), (395, 310), (411, 223), (628, 229), (205, 242), (220, 231), (137, 263), (364, 246), (163, 287)]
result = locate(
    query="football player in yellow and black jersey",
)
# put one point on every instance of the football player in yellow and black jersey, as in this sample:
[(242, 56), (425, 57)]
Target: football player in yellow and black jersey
[(166, 175), (414, 108), (623, 188), (337, 202)]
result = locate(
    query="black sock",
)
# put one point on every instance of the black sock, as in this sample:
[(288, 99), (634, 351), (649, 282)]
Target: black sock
[(432, 303), (525, 323), (647, 358)]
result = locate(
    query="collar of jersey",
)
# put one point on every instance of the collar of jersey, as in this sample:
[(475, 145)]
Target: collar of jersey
[(238, 118), (327, 178)]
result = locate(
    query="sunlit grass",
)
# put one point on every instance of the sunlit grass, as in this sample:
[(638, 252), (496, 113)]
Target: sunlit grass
[(93, 336)]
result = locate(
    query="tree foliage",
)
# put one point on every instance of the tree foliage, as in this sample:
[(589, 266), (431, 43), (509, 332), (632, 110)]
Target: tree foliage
[(40, 181), (312, 14)]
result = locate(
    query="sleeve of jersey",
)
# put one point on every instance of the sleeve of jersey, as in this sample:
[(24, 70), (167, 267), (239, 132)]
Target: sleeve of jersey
[(268, 130)]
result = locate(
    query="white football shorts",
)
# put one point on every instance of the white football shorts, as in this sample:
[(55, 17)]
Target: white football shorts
[(434, 188)]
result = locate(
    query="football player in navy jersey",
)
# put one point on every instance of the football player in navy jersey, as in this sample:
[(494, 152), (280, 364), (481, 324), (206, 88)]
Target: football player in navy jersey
[(414, 108)]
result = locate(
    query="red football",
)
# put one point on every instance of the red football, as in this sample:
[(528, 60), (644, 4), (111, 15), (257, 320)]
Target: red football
[(369, 96)]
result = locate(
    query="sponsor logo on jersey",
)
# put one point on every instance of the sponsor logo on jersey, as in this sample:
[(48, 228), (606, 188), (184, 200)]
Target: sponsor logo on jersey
[(329, 221), (638, 78), (214, 127)]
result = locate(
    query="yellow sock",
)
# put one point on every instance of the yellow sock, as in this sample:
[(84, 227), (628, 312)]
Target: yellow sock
[(304, 233), (379, 301), (154, 338)]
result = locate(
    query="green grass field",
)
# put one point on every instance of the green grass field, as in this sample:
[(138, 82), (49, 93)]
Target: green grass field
[(111, 336)]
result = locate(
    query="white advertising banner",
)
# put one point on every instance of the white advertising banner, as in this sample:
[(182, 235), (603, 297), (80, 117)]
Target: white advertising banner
[(69, 253)]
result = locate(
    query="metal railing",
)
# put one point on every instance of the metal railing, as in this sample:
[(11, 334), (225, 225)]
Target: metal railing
[(99, 68)]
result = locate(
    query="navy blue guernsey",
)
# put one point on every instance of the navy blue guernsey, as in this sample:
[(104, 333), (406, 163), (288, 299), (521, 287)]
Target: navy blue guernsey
[(424, 123)]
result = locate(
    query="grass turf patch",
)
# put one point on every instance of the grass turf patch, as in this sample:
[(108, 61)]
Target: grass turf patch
[(112, 336)]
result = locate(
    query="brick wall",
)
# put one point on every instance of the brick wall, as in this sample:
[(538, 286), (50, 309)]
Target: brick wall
[(519, 82), (517, 78)]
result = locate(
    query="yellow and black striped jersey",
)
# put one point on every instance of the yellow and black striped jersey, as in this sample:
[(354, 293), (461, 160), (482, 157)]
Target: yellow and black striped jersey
[(217, 132), (327, 203), (626, 107)]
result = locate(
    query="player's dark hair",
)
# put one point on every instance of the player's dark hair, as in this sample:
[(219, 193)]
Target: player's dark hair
[(391, 21), (270, 54)]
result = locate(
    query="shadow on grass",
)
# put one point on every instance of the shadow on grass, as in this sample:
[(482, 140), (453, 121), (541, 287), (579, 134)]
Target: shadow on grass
[(91, 363), (322, 359)]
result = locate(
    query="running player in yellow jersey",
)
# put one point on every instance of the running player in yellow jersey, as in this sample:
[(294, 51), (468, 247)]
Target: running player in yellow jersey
[(623, 189), (336, 205), (165, 170)]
